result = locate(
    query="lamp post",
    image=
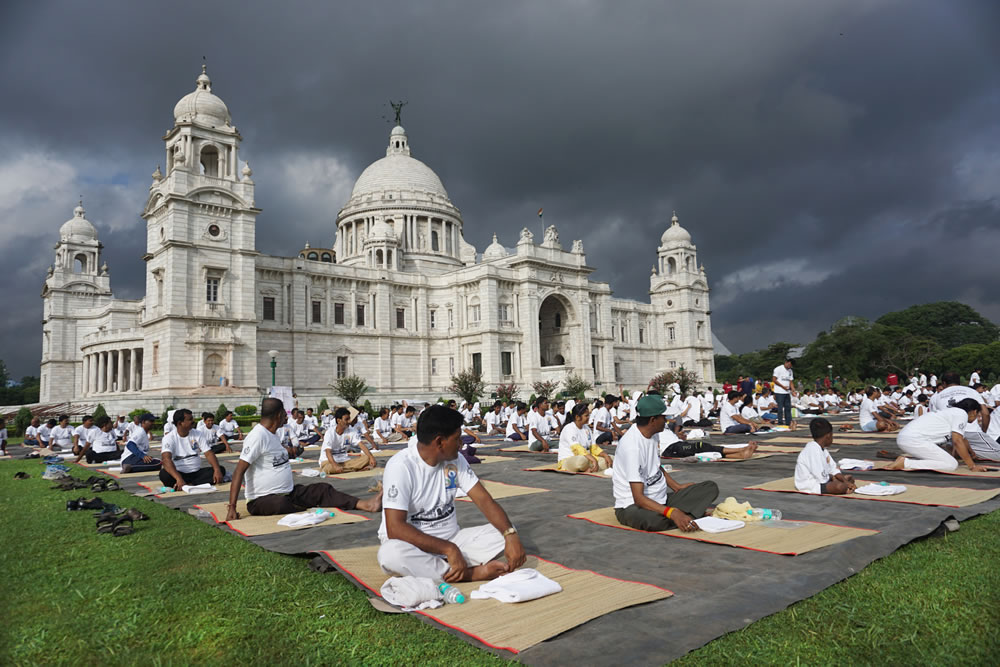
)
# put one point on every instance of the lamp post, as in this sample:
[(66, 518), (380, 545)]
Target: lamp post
[(274, 363)]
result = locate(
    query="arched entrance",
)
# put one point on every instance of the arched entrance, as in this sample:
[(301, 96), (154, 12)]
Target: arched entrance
[(215, 367), (553, 331)]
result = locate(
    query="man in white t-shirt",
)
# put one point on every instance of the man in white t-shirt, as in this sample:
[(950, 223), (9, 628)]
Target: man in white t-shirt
[(539, 426), (383, 430), (312, 420), (517, 425), (869, 418), (783, 382), (603, 423), (303, 429), (494, 420), (334, 457), (229, 431), (121, 426), (31, 433), (420, 534), (182, 450), (135, 456), (45, 433), (3, 436), (270, 487), (646, 498), (61, 438), (815, 470), (100, 445), (923, 438), (82, 434), (974, 379), (405, 422), (730, 419)]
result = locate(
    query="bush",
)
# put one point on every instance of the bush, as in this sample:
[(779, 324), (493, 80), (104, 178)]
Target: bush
[(575, 385), (685, 378), (22, 420), (220, 412), (507, 392), (323, 406), (245, 410), (137, 413), (245, 422), (531, 400), (99, 411), (546, 388), (368, 408), (468, 385), (351, 388)]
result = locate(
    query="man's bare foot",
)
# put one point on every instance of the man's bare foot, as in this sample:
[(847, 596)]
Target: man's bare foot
[(486, 571), (373, 504), (898, 464)]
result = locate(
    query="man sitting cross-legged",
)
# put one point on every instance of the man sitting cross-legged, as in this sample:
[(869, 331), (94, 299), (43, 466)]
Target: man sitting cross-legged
[(730, 419), (815, 470), (646, 498), (333, 457), (420, 533), (181, 451), (136, 456), (270, 488), (100, 445)]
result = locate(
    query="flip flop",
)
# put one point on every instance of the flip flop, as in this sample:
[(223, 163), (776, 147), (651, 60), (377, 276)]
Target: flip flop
[(121, 530), (135, 514)]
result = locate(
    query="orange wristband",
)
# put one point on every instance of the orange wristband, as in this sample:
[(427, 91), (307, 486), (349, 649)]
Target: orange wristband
[(667, 512)]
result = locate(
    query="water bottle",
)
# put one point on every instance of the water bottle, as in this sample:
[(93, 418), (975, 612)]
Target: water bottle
[(765, 514), (166, 489), (324, 512), (451, 594)]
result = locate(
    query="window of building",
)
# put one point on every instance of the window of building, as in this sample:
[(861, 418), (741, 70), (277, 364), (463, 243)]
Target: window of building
[(673, 364), (671, 333), (451, 319), (269, 308), (313, 256), (701, 331), (593, 318), (341, 367), (435, 242), (641, 337), (434, 366), (338, 313), (618, 371), (477, 362), (214, 230), (361, 315), (474, 314), (317, 312), (451, 365), (558, 320), (623, 333), (400, 318), (506, 363), (593, 363), (212, 290), (433, 319), (327, 257), (156, 358)]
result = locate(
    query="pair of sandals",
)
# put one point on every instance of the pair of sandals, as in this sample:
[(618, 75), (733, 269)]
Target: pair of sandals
[(104, 484), (84, 504), (119, 526)]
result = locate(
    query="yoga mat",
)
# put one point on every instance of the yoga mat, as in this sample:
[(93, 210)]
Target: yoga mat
[(527, 448), (502, 490), (251, 526), (809, 536), (381, 468), (837, 440), (757, 455), (961, 471), (514, 627), (154, 487), (552, 467), (944, 496)]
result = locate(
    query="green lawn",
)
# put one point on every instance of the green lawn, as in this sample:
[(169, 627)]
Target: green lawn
[(180, 592)]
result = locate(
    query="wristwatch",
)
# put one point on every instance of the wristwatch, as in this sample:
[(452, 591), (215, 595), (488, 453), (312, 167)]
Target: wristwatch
[(509, 531)]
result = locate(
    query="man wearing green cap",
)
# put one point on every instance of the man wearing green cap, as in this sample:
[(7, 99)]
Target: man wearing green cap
[(645, 497)]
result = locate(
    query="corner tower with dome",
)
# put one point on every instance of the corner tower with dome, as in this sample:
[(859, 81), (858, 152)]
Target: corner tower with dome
[(396, 295)]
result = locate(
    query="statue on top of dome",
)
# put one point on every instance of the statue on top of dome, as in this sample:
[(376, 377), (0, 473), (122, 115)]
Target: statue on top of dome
[(398, 108)]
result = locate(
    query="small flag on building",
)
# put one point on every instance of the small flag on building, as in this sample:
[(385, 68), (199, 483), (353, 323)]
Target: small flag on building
[(540, 212)]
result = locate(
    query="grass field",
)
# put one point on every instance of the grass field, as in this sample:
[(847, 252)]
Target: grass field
[(179, 591)]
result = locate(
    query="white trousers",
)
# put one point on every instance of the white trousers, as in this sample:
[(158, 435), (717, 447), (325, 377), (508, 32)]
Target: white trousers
[(982, 445), (478, 545), (923, 455)]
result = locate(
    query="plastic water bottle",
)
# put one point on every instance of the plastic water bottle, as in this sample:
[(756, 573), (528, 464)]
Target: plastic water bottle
[(166, 489), (451, 594), (765, 514), (324, 512)]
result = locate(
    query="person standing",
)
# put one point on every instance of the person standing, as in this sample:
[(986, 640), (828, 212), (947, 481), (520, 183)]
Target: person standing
[(783, 380)]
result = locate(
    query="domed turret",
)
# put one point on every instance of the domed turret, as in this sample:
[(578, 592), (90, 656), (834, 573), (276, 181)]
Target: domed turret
[(78, 228), (398, 172), (201, 106), (494, 251), (675, 233)]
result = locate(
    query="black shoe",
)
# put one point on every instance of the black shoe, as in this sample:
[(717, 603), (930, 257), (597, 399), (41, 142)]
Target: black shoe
[(21, 475), (92, 504)]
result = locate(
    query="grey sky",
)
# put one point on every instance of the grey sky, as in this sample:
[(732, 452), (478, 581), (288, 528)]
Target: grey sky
[(828, 158)]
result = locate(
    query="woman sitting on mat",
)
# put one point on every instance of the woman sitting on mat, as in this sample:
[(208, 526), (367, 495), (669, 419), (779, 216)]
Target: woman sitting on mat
[(646, 498), (577, 450)]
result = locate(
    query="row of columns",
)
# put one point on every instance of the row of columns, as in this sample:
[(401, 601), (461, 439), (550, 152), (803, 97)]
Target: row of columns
[(112, 371), (350, 243)]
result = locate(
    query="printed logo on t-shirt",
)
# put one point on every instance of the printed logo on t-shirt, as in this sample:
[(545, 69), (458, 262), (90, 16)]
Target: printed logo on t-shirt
[(650, 481), (451, 476), (279, 460), (393, 492), (434, 514)]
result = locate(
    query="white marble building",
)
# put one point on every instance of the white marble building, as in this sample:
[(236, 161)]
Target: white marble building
[(400, 298)]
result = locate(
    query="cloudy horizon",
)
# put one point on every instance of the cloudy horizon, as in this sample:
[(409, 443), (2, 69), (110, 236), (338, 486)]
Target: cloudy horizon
[(828, 159)]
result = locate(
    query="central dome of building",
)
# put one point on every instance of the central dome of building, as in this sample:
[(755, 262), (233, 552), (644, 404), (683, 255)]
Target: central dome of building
[(398, 172)]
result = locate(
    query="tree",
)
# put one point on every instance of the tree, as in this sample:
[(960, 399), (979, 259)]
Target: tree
[(575, 385), (99, 412), (350, 388), (22, 420), (220, 412), (507, 392), (949, 323), (907, 351), (323, 406), (685, 378), (545, 388), (468, 385)]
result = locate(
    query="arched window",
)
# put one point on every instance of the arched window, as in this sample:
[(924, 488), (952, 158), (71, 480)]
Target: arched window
[(671, 266), (378, 258), (80, 263), (687, 263), (209, 161), (326, 257), (435, 243), (558, 320), (388, 258), (313, 256)]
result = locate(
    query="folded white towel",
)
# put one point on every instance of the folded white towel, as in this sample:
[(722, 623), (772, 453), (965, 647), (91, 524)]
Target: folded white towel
[(199, 488), (520, 586), (309, 472), (880, 490), (411, 593), (302, 519), (856, 464), (741, 446), (708, 456), (711, 524), (696, 433), (114, 469)]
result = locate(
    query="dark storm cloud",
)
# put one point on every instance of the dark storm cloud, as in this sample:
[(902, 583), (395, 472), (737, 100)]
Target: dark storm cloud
[(826, 157)]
